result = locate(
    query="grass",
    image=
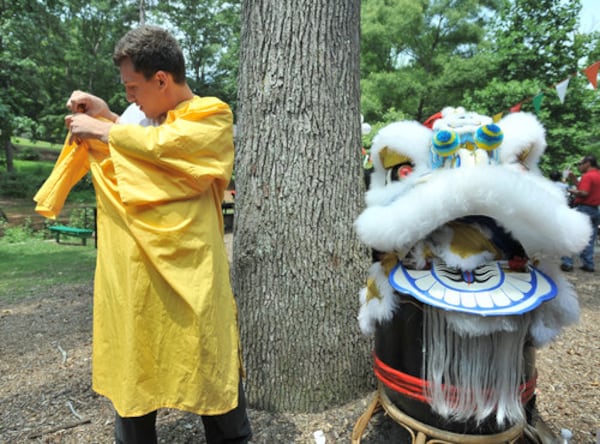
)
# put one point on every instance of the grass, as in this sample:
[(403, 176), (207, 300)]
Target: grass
[(29, 267), (30, 264), (27, 143), (36, 168)]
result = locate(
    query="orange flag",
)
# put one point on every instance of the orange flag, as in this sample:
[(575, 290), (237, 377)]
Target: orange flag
[(592, 73)]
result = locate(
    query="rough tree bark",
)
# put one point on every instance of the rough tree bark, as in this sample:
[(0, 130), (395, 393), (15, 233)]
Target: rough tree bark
[(297, 265), (8, 149)]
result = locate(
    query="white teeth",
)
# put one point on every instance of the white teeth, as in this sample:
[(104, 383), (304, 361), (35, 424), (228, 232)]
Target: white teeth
[(500, 299)]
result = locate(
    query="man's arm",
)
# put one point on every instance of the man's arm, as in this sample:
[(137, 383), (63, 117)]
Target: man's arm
[(583, 188)]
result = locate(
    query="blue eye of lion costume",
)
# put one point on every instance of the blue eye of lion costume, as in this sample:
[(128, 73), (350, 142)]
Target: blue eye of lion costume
[(465, 283)]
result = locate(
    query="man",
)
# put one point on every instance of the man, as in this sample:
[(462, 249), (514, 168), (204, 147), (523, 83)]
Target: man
[(587, 199), (165, 320)]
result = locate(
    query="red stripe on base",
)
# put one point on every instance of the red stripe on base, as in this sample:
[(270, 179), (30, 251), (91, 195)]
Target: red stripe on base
[(415, 388)]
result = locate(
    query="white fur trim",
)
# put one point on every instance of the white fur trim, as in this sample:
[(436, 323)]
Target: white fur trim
[(519, 202), (553, 315), (409, 138), (377, 310), (522, 131), (386, 195)]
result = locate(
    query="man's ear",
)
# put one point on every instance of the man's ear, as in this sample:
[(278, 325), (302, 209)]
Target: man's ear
[(162, 78)]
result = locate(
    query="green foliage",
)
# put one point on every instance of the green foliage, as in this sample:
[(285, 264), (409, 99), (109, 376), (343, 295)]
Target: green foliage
[(498, 96), (535, 46), (20, 142), (565, 140), (417, 56), (82, 217), (15, 184), (25, 180), (30, 265), (22, 233), (386, 91), (209, 36), (535, 40), (49, 48), (29, 175), (28, 153), (30, 50), (384, 47)]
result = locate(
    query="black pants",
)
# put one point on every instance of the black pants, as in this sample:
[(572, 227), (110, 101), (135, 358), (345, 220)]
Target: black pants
[(230, 428)]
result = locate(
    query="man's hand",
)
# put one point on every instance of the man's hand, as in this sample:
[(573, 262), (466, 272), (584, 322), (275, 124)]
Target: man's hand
[(82, 102), (578, 193), (83, 126)]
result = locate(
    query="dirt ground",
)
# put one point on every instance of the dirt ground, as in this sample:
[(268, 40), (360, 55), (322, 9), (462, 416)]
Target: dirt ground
[(46, 396)]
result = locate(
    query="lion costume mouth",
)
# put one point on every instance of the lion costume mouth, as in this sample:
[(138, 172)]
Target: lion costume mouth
[(473, 266)]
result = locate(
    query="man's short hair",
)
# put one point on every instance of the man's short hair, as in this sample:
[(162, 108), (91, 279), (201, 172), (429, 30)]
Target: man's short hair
[(151, 49), (591, 159)]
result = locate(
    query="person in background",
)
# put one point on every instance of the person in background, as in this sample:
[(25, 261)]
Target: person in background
[(556, 178), (586, 196), (165, 328)]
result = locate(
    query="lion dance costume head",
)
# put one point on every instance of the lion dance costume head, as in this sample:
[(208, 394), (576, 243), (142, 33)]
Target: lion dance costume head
[(465, 284)]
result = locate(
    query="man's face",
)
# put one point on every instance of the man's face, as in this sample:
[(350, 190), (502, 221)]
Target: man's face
[(583, 166), (144, 93)]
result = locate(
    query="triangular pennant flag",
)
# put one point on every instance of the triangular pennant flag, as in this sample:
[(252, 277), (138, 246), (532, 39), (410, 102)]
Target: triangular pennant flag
[(592, 73), (497, 117), (516, 108), (537, 102), (561, 89)]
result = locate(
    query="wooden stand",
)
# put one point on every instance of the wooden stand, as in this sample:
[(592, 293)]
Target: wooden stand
[(425, 434)]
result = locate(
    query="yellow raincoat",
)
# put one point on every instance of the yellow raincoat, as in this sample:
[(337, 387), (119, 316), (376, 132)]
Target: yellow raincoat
[(165, 320)]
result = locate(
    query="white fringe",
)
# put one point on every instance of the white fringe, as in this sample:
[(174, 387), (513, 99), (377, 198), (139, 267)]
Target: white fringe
[(487, 370)]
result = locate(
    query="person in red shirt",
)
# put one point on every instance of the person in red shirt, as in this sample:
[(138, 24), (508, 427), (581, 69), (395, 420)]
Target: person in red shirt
[(587, 200)]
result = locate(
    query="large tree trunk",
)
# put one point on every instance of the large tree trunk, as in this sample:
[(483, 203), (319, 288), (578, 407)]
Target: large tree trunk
[(8, 148), (298, 265)]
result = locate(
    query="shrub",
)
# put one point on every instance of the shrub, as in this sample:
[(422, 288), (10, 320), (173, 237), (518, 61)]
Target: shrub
[(27, 153), (14, 184), (22, 233), (82, 217)]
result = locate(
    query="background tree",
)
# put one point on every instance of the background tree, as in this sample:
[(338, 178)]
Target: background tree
[(297, 264), (52, 47), (93, 31), (416, 55), (209, 34), (24, 55), (534, 46), (592, 48)]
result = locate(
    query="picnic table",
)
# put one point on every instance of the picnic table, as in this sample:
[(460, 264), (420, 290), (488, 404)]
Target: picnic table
[(80, 232)]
